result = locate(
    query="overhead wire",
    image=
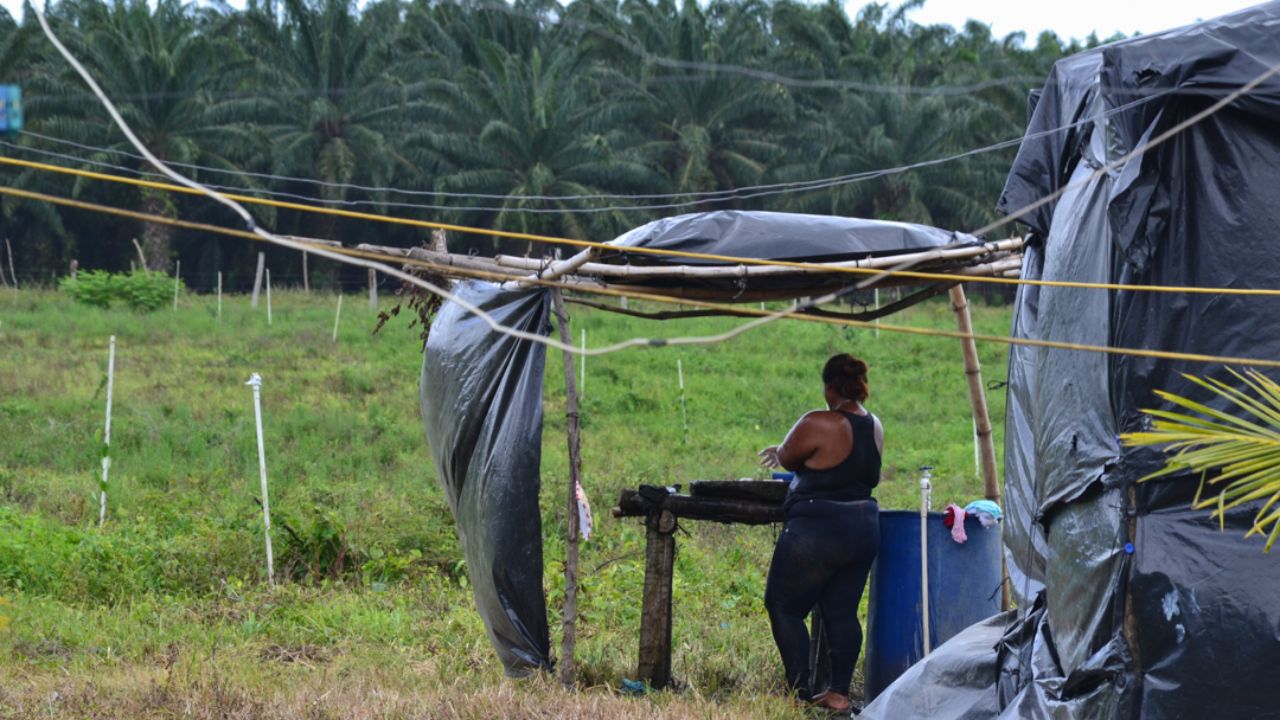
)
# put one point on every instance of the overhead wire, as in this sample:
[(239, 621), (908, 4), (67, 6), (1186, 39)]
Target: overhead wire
[(498, 327), (876, 273), (634, 294), (693, 198)]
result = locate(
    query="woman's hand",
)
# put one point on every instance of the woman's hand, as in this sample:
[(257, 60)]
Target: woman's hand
[(769, 457)]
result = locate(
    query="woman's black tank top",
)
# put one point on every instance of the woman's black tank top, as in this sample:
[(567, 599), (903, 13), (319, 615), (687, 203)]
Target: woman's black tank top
[(853, 479)]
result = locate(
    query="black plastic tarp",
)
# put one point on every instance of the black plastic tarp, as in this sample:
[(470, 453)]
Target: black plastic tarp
[(481, 400), (782, 236), (1132, 604)]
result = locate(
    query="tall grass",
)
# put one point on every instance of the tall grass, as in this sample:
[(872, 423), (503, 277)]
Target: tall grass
[(375, 598)]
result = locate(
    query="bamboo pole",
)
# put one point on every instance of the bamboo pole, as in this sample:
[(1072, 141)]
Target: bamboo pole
[(559, 269), (583, 267), (570, 614), (981, 418), (817, 283), (977, 394)]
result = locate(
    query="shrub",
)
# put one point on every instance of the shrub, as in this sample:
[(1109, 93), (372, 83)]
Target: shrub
[(93, 287), (141, 290)]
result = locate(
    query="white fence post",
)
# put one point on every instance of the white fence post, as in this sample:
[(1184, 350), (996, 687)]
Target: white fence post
[(268, 296), (684, 411), (337, 315), (219, 295), (255, 381), (106, 433), (177, 275), (877, 308)]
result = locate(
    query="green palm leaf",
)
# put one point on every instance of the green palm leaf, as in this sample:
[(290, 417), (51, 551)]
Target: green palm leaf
[(1236, 452)]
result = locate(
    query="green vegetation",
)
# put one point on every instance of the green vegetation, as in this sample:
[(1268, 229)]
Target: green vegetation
[(1242, 453), (141, 290), (165, 610), (528, 115)]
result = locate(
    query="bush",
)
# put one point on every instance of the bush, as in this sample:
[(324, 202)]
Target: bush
[(93, 287), (140, 290)]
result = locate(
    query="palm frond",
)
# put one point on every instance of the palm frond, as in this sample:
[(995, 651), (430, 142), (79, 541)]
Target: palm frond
[(1238, 451)]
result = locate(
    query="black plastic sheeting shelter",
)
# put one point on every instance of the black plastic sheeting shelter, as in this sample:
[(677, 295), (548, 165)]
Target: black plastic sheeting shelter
[(1132, 605), (481, 403)]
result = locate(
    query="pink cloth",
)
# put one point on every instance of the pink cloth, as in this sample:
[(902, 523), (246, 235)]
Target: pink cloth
[(956, 514)]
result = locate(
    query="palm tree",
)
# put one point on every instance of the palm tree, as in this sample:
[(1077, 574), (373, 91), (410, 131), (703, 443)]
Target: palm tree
[(166, 74), (877, 131), (525, 129), (332, 105), (710, 129)]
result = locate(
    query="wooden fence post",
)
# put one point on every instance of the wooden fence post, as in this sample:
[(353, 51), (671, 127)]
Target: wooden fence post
[(570, 614), (373, 289)]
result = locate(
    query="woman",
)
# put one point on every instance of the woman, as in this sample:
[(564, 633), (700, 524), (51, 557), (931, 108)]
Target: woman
[(832, 529)]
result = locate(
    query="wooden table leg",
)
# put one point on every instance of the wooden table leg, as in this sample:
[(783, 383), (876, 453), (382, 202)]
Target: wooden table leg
[(655, 614)]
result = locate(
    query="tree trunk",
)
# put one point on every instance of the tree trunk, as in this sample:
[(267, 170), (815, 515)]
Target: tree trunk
[(157, 238)]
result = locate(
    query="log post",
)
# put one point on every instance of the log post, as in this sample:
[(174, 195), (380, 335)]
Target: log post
[(570, 615), (978, 403), (655, 615), (373, 289), (257, 279)]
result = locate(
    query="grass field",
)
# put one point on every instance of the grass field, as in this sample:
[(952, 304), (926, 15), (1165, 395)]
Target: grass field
[(165, 612)]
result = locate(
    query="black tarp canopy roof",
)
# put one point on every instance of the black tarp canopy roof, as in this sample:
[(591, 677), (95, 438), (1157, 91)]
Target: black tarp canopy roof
[(1131, 604), (783, 236)]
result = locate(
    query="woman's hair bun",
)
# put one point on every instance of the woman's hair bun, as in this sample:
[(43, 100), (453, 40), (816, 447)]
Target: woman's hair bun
[(847, 375)]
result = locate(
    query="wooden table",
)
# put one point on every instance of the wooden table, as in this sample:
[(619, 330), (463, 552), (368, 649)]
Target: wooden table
[(747, 502)]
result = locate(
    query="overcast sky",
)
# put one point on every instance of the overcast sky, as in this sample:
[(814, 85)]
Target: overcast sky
[(1068, 18)]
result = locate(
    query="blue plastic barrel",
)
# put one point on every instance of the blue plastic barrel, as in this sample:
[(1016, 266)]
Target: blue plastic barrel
[(964, 588)]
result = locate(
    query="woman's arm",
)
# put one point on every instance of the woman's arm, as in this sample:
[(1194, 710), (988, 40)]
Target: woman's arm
[(799, 445)]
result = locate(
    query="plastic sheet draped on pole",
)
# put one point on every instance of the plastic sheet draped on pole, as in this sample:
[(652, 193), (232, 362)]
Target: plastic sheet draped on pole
[(1133, 605), (481, 398)]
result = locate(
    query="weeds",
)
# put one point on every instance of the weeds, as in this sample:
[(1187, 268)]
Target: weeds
[(376, 619)]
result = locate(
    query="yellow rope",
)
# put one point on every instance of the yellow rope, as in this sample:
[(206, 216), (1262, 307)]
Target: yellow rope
[(1026, 342), (353, 214)]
